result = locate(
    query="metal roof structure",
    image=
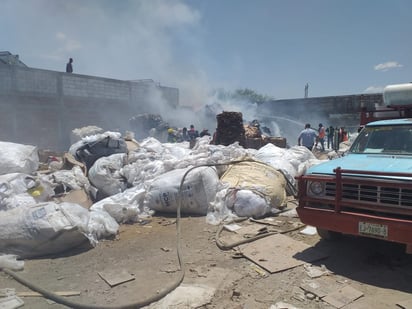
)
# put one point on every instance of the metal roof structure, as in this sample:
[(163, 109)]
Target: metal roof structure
[(7, 58)]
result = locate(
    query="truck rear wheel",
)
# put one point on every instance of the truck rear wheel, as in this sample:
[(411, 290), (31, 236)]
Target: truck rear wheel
[(328, 235)]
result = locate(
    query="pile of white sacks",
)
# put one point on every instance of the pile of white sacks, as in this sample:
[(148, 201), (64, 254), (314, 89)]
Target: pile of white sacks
[(153, 178)]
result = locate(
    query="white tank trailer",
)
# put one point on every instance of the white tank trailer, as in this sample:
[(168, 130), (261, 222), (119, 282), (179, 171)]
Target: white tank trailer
[(395, 95)]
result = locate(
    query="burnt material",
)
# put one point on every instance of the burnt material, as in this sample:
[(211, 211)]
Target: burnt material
[(230, 129)]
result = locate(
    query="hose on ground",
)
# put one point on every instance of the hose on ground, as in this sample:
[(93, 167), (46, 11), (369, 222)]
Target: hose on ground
[(223, 246)]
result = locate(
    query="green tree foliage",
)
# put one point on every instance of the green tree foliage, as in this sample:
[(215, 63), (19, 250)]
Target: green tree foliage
[(251, 96), (247, 95)]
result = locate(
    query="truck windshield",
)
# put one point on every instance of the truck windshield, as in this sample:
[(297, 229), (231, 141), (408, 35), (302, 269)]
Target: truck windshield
[(384, 139)]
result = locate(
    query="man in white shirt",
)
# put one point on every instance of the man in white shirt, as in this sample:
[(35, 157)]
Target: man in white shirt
[(307, 137)]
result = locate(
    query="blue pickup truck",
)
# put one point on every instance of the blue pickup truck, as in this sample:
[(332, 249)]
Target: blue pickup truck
[(368, 191)]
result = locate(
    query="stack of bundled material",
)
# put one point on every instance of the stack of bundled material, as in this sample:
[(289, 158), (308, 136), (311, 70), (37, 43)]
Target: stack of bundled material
[(253, 137), (277, 141), (230, 129), (252, 131)]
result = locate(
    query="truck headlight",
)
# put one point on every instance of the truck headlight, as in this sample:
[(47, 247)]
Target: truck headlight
[(316, 188)]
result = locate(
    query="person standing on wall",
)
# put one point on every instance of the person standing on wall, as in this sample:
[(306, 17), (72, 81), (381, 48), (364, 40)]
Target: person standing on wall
[(69, 66), (307, 137)]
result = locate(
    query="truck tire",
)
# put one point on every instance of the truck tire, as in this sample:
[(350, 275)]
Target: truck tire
[(328, 235)]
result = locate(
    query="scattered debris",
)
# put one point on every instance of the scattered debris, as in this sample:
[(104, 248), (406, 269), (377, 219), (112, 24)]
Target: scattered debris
[(232, 227), (315, 271), (321, 287), (332, 291), (10, 261), (114, 277), (279, 252), (309, 230), (60, 293), (259, 270), (343, 296), (11, 302), (282, 305)]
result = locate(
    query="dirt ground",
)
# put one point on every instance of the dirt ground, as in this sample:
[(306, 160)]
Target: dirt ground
[(380, 271)]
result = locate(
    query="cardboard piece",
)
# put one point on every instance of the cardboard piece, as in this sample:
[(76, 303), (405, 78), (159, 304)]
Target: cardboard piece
[(70, 161), (11, 302), (342, 297), (279, 252), (321, 287), (114, 277), (76, 196), (132, 145), (232, 227)]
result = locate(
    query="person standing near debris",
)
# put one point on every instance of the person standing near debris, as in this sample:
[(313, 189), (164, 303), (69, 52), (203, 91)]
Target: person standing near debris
[(69, 66), (192, 133), (307, 137), (321, 136), (330, 132), (171, 136), (185, 136)]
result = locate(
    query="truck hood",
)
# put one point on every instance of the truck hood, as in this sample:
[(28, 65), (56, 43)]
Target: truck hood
[(375, 163)]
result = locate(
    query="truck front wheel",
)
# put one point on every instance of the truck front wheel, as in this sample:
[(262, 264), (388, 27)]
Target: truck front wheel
[(328, 235)]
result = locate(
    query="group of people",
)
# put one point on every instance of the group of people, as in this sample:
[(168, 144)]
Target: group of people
[(174, 136), (309, 137)]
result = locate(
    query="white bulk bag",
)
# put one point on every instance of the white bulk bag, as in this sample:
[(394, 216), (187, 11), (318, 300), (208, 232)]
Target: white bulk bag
[(255, 189), (18, 158), (105, 176), (42, 229), (19, 189), (199, 189), (124, 207)]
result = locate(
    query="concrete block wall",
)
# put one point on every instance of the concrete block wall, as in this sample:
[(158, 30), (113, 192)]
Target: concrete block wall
[(98, 88), (5, 78), (42, 107), (35, 82)]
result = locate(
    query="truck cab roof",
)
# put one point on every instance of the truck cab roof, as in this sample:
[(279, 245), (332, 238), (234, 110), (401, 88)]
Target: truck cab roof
[(388, 122)]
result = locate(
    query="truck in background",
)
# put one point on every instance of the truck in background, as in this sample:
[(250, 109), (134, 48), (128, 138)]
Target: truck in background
[(368, 191)]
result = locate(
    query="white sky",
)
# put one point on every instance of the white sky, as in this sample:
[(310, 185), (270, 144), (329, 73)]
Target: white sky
[(270, 46)]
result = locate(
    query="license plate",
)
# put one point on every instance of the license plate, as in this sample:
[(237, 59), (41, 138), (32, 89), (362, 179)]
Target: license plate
[(373, 229)]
